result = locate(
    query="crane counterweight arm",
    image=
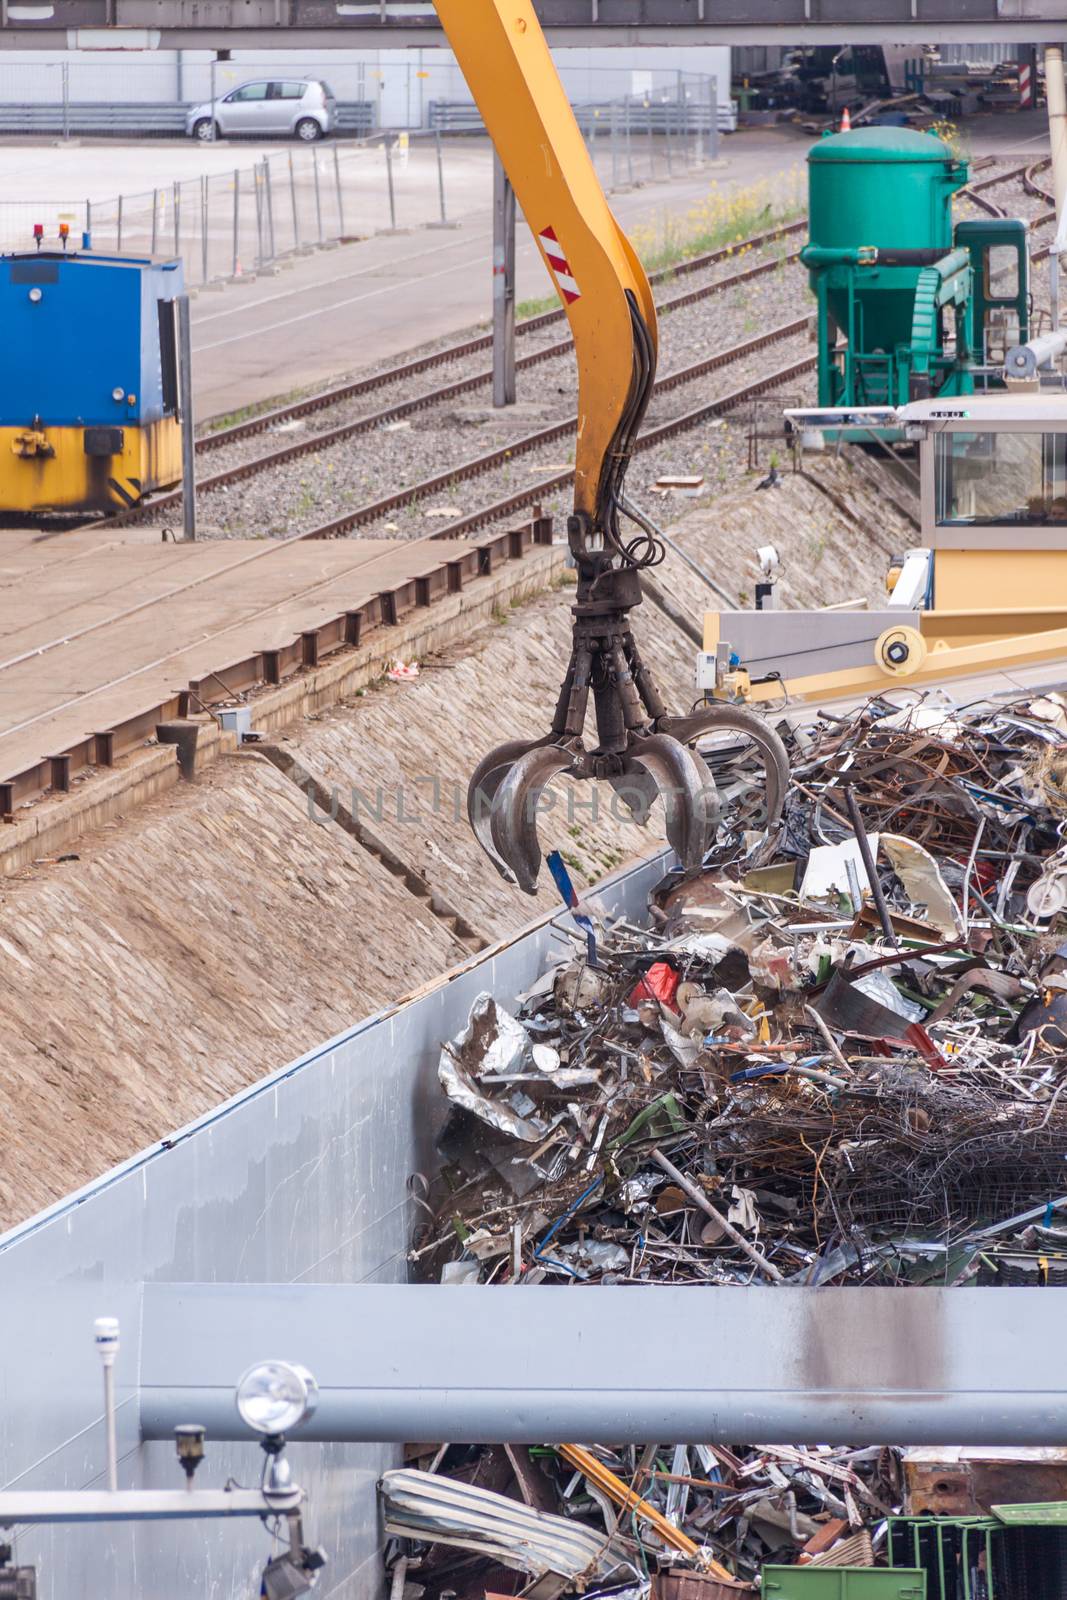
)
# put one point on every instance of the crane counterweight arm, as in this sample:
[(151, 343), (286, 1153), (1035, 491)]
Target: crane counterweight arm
[(641, 751)]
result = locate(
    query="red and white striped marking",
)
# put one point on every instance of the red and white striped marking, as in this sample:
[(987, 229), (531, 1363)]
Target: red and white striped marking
[(561, 267), (1026, 86)]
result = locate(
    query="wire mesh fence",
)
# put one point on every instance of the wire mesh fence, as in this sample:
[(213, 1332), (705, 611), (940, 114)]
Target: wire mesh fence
[(234, 223), (231, 221), (77, 93)]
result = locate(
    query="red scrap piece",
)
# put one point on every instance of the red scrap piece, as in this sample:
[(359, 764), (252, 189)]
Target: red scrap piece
[(660, 983)]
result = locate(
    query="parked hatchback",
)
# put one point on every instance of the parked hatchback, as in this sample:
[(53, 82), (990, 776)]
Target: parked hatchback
[(302, 108)]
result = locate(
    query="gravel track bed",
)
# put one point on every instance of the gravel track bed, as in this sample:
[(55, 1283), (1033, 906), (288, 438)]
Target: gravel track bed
[(299, 495), (698, 451), (718, 450), (396, 393)]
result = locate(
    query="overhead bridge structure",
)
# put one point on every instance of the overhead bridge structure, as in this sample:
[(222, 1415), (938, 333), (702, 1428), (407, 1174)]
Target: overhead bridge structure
[(303, 24)]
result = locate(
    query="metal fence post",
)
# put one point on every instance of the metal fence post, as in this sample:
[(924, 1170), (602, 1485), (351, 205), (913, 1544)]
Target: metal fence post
[(614, 145), (389, 177), (503, 286), (185, 402), (66, 99), (236, 219), (713, 119), (318, 194), (268, 198), (296, 211), (89, 218), (440, 176), (118, 226), (257, 196), (203, 227), (651, 140), (155, 222), (177, 219), (340, 197), (629, 147), (667, 136)]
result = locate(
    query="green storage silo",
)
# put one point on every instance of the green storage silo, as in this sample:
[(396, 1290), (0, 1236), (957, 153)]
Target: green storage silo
[(882, 264)]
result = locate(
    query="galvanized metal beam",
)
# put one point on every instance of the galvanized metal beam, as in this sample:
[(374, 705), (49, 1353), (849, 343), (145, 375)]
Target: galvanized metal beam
[(840, 1366)]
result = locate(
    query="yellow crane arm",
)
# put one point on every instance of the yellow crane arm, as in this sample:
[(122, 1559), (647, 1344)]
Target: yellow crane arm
[(510, 72), (641, 750)]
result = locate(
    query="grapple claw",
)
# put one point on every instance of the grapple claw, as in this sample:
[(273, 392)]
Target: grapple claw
[(690, 801), (485, 781), (638, 791), (513, 816)]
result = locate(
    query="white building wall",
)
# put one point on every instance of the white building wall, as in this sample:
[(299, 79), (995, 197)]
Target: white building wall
[(400, 82)]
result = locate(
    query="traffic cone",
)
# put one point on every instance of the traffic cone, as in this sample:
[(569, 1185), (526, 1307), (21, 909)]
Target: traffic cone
[(846, 122)]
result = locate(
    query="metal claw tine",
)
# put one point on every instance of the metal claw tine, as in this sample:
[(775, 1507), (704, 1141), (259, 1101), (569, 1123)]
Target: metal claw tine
[(690, 800), (486, 779), (513, 818), (638, 791), (739, 719)]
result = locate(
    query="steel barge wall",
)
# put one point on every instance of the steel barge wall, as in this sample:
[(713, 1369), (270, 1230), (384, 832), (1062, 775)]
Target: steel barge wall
[(303, 1178)]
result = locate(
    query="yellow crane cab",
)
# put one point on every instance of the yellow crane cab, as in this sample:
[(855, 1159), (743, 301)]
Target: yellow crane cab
[(985, 588)]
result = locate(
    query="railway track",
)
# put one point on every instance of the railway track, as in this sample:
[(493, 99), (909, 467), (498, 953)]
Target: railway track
[(404, 408), (352, 390), (341, 393), (1031, 185), (372, 511), (492, 512)]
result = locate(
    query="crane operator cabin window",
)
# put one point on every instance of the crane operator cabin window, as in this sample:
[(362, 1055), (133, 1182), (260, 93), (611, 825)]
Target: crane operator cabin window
[(992, 479)]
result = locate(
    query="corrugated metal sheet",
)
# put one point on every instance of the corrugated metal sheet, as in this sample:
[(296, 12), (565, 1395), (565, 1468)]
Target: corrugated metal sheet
[(422, 1505)]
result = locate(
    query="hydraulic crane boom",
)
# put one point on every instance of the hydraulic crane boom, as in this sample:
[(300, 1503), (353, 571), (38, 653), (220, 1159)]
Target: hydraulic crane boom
[(641, 751)]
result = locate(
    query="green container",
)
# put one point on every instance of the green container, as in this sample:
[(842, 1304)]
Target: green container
[(843, 1583), (883, 186), (890, 188)]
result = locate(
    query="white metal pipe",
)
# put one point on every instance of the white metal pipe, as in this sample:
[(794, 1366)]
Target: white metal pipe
[(1056, 99), (22, 1506), (689, 1364)]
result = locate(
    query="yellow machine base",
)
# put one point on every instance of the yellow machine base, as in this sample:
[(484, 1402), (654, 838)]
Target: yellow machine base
[(69, 480), (946, 645)]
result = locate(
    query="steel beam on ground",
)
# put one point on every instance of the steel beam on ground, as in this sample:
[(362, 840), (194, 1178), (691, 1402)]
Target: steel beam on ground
[(529, 1364)]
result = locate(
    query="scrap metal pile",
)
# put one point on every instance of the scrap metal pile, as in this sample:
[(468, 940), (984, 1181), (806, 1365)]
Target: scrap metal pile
[(693, 1522), (838, 1057), (796, 1074)]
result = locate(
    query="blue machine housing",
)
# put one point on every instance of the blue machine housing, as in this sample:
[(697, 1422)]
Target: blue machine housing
[(89, 387)]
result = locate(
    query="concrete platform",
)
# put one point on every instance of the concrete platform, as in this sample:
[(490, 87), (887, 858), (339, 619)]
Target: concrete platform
[(97, 627)]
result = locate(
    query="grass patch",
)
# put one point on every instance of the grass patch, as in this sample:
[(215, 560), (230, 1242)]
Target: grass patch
[(725, 217), (230, 419), (534, 308)]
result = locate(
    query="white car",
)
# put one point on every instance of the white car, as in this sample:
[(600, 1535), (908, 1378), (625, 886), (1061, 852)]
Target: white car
[(300, 107)]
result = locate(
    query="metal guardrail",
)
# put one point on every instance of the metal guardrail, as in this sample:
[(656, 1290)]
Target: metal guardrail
[(655, 116), (152, 118)]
